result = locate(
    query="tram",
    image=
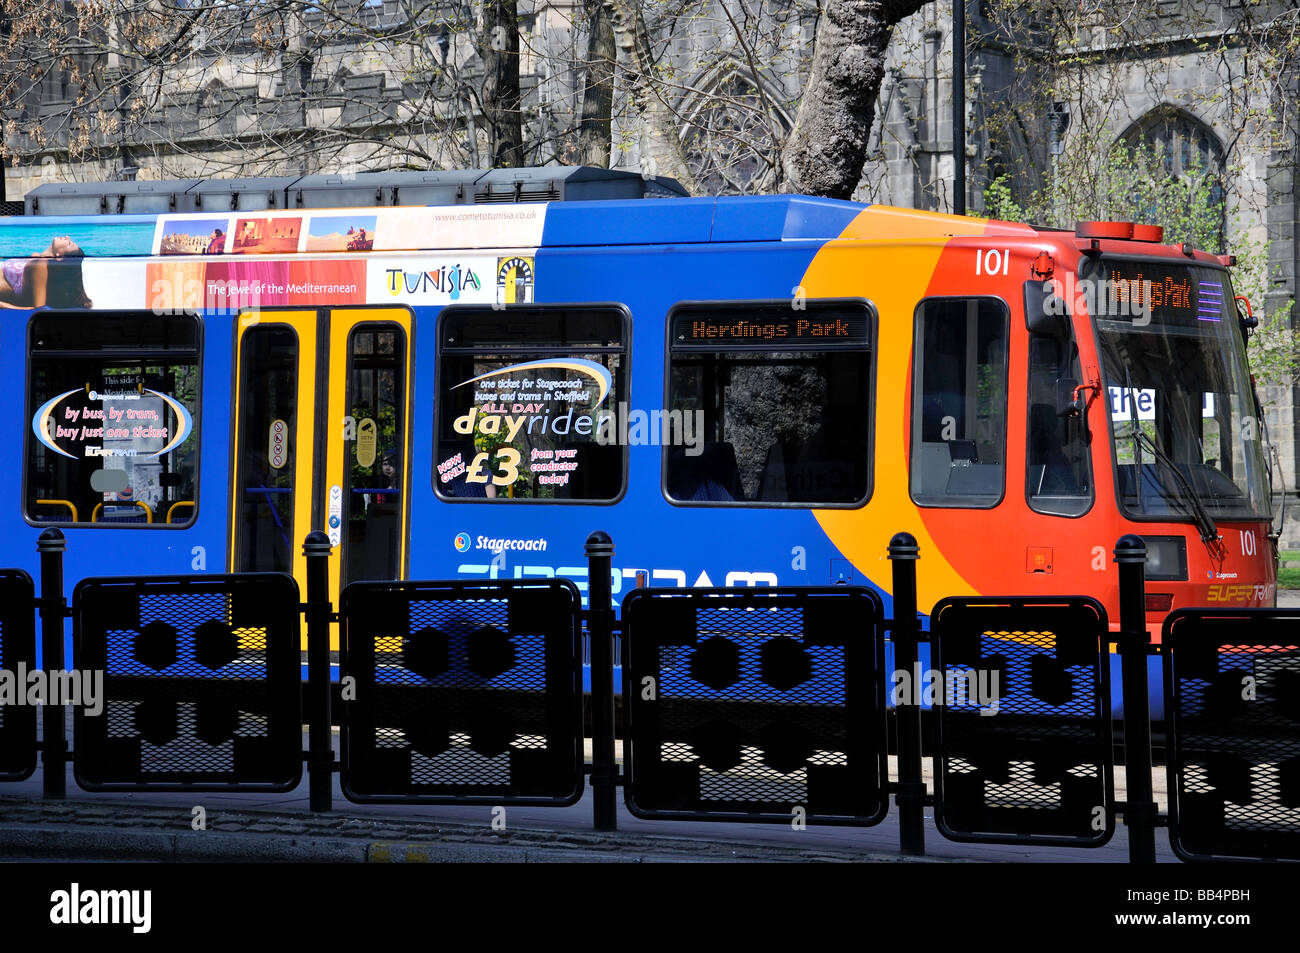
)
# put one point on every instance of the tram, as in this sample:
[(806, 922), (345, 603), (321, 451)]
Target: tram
[(461, 375)]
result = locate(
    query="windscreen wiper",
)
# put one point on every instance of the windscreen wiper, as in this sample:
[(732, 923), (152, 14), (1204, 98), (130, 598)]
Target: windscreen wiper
[(1134, 430), (1188, 498)]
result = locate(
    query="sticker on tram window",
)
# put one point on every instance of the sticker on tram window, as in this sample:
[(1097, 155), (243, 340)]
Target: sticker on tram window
[(1144, 400), (123, 420), (536, 406), (367, 441), (1124, 401), (278, 441)]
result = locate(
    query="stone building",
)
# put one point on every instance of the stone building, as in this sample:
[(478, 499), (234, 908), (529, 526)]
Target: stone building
[(1199, 85)]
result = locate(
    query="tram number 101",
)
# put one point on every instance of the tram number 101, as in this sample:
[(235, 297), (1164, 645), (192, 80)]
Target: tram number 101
[(993, 262)]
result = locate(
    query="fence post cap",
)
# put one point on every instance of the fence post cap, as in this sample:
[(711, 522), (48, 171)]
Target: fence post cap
[(903, 546), (1130, 549), (51, 541), (600, 543), (316, 544)]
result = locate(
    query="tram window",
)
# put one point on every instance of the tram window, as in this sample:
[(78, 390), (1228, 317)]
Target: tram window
[(959, 402), (1058, 465), (774, 404), (376, 471), (113, 407), (268, 428), (529, 402)]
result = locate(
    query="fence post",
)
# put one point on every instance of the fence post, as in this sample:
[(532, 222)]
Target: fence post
[(54, 748), (905, 632), (320, 760), (600, 627), (1134, 646)]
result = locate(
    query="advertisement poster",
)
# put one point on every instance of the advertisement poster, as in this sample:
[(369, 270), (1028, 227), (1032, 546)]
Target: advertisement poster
[(126, 426), (523, 430), (274, 259)]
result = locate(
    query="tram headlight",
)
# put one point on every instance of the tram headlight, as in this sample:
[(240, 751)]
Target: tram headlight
[(1166, 558)]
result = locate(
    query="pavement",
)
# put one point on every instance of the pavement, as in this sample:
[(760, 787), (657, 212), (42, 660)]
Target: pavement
[(85, 830), (244, 827)]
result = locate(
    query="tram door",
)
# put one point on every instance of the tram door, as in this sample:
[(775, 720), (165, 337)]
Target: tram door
[(321, 420)]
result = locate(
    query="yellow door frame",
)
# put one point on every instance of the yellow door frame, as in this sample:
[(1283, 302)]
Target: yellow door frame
[(342, 322), (320, 438), (304, 324)]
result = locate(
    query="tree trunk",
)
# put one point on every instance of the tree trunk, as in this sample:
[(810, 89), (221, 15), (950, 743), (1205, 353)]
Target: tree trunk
[(661, 143), (828, 145), (594, 138), (499, 50)]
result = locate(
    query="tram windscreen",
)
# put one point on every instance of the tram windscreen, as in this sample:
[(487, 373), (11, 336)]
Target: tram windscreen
[(1182, 411)]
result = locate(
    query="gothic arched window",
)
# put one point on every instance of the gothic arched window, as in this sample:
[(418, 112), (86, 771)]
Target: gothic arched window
[(730, 139), (1185, 150)]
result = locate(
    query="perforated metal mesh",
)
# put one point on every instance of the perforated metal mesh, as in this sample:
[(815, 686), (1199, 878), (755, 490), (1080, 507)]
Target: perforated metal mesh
[(1023, 704), (1234, 732), (202, 680), (465, 692), (761, 705), (17, 655)]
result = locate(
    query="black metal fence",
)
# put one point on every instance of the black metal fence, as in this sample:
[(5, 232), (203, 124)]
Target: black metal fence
[(1232, 685), (465, 692), (201, 683), (760, 704), (17, 659), (755, 705), (1023, 728)]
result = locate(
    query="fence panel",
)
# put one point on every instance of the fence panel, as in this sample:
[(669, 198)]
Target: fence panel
[(755, 705), (465, 692), (1232, 710), (17, 659), (202, 683), (1026, 757)]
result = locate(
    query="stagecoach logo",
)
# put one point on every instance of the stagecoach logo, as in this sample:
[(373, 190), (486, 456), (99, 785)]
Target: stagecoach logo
[(129, 424), (462, 542), (451, 280)]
